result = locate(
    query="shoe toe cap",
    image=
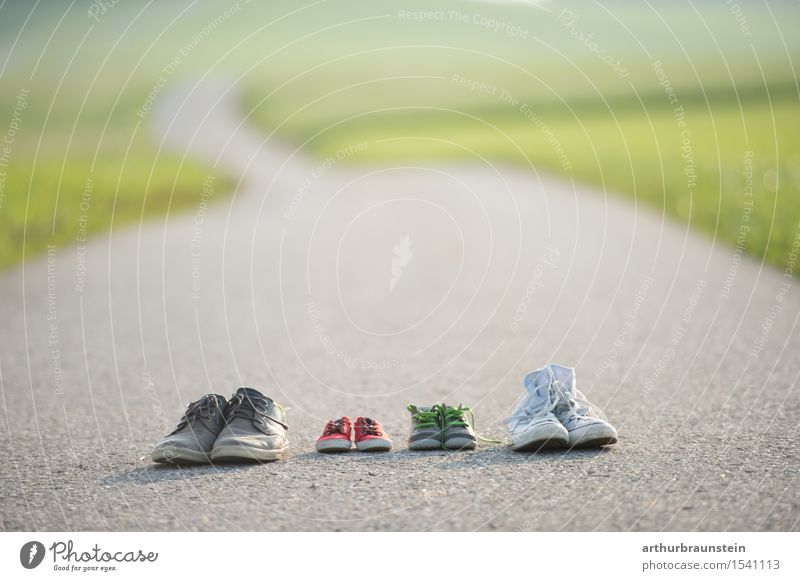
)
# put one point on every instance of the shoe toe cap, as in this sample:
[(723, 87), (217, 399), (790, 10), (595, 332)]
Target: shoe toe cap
[(597, 432), (256, 441)]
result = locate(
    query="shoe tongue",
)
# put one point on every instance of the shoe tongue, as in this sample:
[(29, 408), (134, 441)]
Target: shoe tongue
[(537, 384), (565, 376), (250, 392), (535, 378), (537, 388)]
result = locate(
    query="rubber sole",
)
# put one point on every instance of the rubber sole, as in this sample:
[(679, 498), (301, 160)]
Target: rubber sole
[(595, 442), (546, 437), (177, 455), (593, 436), (542, 445), (460, 444), (333, 446), (240, 453), (374, 445), (425, 445)]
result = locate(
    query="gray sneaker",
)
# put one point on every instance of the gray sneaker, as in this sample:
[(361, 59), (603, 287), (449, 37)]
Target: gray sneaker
[(193, 439), (532, 425), (586, 425), (457, 430), (426, 431), (255, 429)]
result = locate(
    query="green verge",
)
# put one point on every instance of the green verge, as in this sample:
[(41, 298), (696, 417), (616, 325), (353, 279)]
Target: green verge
[(56, 195), (728, 166), (444, 88), (76, 158), (332, 74)]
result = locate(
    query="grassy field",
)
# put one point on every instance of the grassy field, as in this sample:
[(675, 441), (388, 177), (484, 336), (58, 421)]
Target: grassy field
[(75, 157), (70, 185), (734, 165), (724, 155), (576, 88)]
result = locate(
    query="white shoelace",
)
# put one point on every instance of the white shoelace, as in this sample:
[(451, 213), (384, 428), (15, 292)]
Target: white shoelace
[(578, 406), (561, 401), (526, 413)]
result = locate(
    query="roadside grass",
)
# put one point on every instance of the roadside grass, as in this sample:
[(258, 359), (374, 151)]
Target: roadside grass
[(331, 74), (547, 101), (77, 157), (90, 201), (739, 180)]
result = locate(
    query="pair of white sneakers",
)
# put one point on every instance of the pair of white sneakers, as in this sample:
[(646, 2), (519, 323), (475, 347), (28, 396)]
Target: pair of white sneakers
[(554, 414)]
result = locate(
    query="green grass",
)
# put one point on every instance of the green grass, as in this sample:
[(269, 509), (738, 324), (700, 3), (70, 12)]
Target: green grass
[(739, 94), (68, 186), (79, 158), (633, 152), (329, 74)]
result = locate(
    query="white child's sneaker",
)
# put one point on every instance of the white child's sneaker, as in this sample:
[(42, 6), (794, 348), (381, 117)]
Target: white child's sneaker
[(533, 425), (585, 423)]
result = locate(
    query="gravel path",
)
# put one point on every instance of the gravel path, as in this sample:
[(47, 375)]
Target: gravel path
[(692, 351)]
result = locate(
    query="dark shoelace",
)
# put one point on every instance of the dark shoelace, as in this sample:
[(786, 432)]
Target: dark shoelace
[(249, 408), (369, 427), (335, 427), (204, 408)]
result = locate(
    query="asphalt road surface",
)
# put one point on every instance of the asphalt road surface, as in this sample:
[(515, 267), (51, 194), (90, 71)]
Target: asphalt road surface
[(289, 285)]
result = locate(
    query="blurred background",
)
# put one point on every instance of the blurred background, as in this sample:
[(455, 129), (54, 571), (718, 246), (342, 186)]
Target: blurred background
[(689, 107), (611, 185)]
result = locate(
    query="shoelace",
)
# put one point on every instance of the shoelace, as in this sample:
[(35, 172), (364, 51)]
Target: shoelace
[(576, 406), (527, 414), (457, 417), (443, 415), (335, 427), (204, 408), (249, 408), (425, 418), (369, 427)]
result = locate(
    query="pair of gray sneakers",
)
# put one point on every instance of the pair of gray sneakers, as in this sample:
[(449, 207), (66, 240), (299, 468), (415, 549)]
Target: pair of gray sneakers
[(441, 426), (250, 427)]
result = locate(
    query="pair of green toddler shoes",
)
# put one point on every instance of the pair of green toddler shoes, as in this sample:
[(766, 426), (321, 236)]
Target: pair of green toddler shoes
[(442, 427)]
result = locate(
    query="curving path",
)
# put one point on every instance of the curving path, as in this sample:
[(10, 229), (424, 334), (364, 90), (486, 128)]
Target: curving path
[(290, 285)]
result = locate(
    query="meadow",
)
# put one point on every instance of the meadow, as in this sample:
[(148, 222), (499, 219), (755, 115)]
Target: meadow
[(78, 155), (688, 107)]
